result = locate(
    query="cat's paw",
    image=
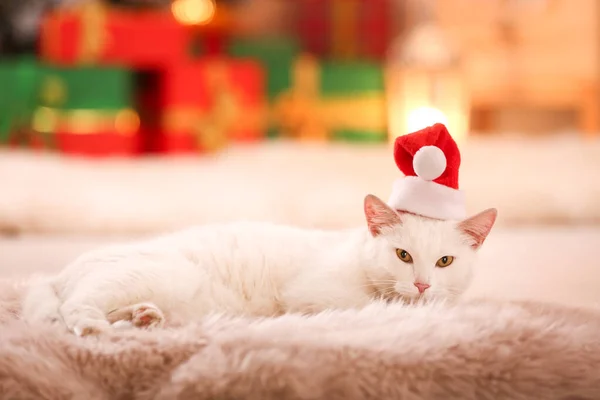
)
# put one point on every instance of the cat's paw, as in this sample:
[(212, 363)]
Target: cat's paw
[(141, 315), (90, 327), (146, 315), (122, 325)]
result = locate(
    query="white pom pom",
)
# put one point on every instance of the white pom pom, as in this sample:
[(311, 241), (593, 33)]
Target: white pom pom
[(429, 162)]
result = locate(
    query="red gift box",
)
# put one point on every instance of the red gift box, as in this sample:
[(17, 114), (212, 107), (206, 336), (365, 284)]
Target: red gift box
[(97, 144), (345, 29), (95, 33), (211, 102)]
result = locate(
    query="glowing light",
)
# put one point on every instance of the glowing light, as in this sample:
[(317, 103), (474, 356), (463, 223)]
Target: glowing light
[(423, 117), (193, 12), (54, 91), (82, 121), (44, 120), (127, 122)]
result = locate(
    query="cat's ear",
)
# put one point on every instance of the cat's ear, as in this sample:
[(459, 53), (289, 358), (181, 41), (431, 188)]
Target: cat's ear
[(478, 226), (379, 214)]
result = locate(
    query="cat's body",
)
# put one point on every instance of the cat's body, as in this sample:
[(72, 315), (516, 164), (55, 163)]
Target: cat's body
[(264, 269)]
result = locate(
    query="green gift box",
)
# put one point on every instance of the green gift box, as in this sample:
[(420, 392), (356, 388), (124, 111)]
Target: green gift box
[(277, 55), (87, 110), (318, 100), (19, 79), (37, 100), (82, 99), (342, 101), (88, 88)]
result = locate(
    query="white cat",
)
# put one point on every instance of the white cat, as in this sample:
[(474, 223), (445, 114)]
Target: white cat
[(263, 269)]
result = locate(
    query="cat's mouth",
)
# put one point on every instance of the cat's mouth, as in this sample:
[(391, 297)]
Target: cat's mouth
[(407, 298), (415, 300), (393, 296)]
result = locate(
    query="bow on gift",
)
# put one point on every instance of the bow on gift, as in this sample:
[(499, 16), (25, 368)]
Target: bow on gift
[(212, 129), (302, 112), (227, 115), (91, 18), (296, 110), (345, 14), (94, 36)]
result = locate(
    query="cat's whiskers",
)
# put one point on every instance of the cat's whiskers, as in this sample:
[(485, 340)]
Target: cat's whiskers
[(383, 280), (380, 282), (381, 288), (389, 294), (376, 286)]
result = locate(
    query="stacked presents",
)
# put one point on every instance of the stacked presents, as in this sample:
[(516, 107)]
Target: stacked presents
[(115, 81)]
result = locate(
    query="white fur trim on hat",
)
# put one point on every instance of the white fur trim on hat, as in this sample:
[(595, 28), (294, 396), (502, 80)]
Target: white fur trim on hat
[(428, 199)]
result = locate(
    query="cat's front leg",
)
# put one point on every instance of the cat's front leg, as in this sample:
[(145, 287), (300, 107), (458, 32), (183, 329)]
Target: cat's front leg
[(84, 319), (313, 295)]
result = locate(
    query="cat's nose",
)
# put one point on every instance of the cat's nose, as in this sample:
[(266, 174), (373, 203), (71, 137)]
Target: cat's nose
[(422, 286)]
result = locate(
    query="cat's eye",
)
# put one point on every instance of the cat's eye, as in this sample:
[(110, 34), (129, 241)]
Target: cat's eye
[(444, 261), (404, 255)]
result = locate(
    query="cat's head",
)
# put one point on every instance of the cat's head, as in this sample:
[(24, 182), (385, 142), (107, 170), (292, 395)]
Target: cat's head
[(419, 258)]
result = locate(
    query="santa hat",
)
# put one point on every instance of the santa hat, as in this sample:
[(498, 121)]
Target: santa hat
[(429, 159)]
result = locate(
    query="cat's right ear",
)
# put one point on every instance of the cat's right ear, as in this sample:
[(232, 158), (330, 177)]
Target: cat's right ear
[(379, 215), (478, 227)]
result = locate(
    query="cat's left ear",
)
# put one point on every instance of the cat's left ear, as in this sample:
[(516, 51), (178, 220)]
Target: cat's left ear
[(379, 214), (479, 226)]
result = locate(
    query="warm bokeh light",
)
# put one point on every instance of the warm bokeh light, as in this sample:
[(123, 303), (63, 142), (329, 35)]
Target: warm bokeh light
[(423, 117), (193, 12), (82, 121), (53, 90), (127, 122), (418, 98), (123, 122), (44, 120)]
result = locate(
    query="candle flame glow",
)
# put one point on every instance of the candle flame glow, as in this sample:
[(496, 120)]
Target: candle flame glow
[(193, 12)]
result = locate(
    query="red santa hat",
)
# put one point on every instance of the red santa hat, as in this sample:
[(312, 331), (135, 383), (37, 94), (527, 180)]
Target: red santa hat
[(430, 160)]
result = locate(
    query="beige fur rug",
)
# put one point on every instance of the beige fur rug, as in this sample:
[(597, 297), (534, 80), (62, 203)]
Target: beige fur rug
[(475, 350)]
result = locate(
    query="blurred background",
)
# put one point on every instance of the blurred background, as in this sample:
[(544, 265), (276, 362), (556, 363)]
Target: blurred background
[(123, 118)]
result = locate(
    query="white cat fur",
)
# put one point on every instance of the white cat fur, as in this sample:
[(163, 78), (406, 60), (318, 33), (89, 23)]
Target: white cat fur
[(263, 269)]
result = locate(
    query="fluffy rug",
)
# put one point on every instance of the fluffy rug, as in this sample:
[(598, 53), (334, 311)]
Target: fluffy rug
[(550, 180), (474, 350)]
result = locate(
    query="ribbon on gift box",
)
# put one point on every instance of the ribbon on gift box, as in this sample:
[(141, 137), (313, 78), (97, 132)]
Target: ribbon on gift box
[(53, 91), (344, 30), (91, 17), (212, 127), (50, 120), (212, 130), (302, 113), (50, 34), (93, 39)]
